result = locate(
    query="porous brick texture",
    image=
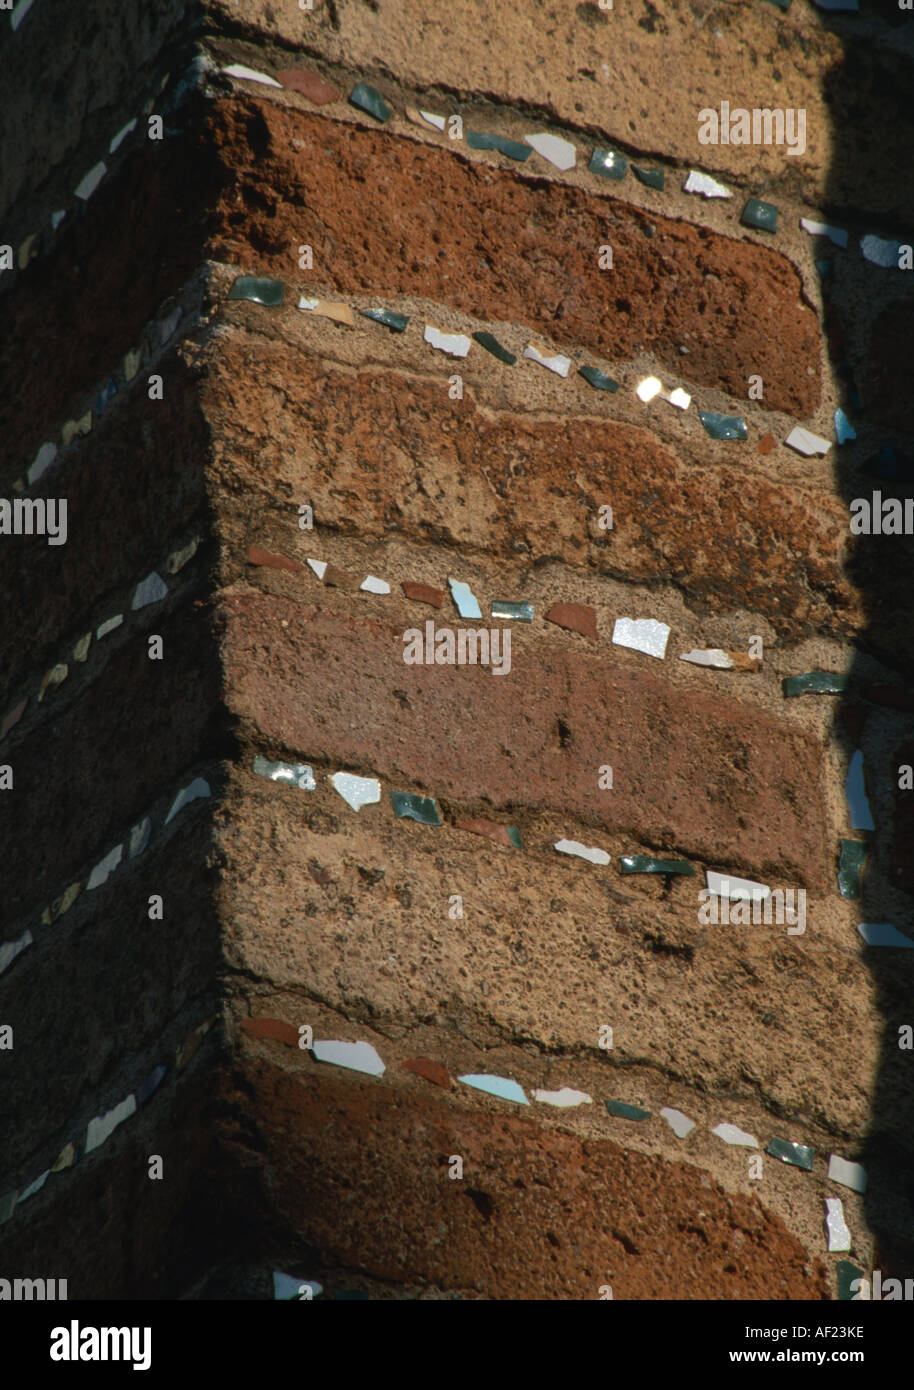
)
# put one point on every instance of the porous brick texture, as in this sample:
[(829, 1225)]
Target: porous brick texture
[(183, 932)]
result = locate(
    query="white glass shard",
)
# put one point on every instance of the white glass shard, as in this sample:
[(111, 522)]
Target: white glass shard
[(104, 1125), (500, 1086), (464, 599), (642, 635), (852, 1175), (57, 218), (559, 152), (703, 183), (11, 949), (680, 1124), (42, 462), (373, 585), (356, 1056), (286, 1287), (139, 837), (299, 775), (35, 1186), (731, 1135), (433, 119), (708, 656), (20, 12), (681, 399), (557, 364), (805, 442), (152, 589), (839, 1236), (647, 389), (880, 251), (318, 566), (87, 186), (108, 625), (858, 807), (121, 135), (238, 70), (725, 886), (356, 791), (198, 787), (456, 344), (105, 868), (836, 235), (592, 854)]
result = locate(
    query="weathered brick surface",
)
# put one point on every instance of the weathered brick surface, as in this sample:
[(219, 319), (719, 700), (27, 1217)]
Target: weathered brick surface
[(703, 774)]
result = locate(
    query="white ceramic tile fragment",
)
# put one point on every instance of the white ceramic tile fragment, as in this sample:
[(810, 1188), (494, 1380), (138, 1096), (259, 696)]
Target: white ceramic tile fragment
[(591, 854), (87, 186), (118, 139), (286, 1287), (197, 788), (559, 152), (681, 399), (708, 656), (805, 442), (103, 1126), (858, 807), (34, 1187), (139, 837), (152, 589), (372, 585), (880, 252), (57, 218), (647, 389), (72, 428), (731, 1135), (108, 625), (20, 12), (238, 70), (433, 119), (499, 1086), (465, 600), (703, 183), (318, 566), (456, 344), (105, 868), (356, 791), (839, 1236), (42, 462), (357, 1056), (883, 934), (726, 886), (835, 234), (563, 1099), (11, 949), (558, 364), (680, 1124), (642, 635), (852, 1175)]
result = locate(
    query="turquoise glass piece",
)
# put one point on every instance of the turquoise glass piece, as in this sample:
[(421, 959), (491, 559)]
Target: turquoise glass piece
[(486, 140), (369, 99), (396, 322), (623, 1111), (491, 344), (609, 164), (850, 866), (815, 683), (762, 216), (652, 178), (647, 864), (598, 379), (723, 426), (800, 1155), (844, 430), (259, 289), (420, 808), (513, 612)]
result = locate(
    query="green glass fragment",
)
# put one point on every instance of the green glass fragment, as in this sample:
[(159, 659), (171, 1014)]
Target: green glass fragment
[(492, 345), (847, 1273), (396, 322), (723, 426), (514, 836), (258, 289), (514, 612), (653, 178), (646, 864), (421, 808), (608, 163), (485, 140), (370, 100), (815, 683), (850, 864), (623, 1111), (800, 1155), (763, 216), (599, 379)]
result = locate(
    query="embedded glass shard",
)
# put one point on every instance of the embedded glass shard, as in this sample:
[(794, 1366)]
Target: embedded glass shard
[(72, 428), (521, 612), (858, 806), (108, 625), (642, 635), (563, 1099), (723, 426), (117, 140), (87, 186), (647, 389), (61, 905), (299, 775), (107, 393), (259, 289), (491, 344), (849, 1277), (246, 74), (499, 1086), (608, 163), (198, 787), (557, 363), (652, 178), (132, 362), (34, 1187), (42, 462), (799, 1155), (839, 1237), (287, 1287), (56, 676), (763, 216), (103, 1126), (57, 217), (732, 1135), (372, 585), (454, 344), (11, 949), (369, 99), (7, 1206), (559, 152), (881, 252), (883, 934), (105, 868), (464, 599), (598, 379), (725, 886), (590, 853), (681, 399), (355, 1056), (844, 430), (356, 791), (12, 719), (147, 1089), (848, 1174), (319, 567), (411, 807), (623, 1111), (486, 140), (807, 443), (703, 183), (179, 558), (395, 322), (680, 1124), (721, 660), (151, 590), (850, 866), (19, 13), (835, 234), (647, 864), (815, 683), (66, 1158), (139, 837)]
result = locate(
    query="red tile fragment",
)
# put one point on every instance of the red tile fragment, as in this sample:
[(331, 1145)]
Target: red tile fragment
[(576, 617), (13, 717), (256, 556), (491, 828), (310, 84), (423, 593), (766, 443), (432, 1071), (889, 696), (271, 1028)]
